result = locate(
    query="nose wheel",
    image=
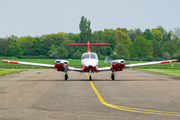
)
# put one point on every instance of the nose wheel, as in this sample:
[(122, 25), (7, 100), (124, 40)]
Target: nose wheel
[(90, 75), (90, 78)]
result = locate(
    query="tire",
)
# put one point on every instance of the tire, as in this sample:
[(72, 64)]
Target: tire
[(90, 78), (112, 76), (66, 77)]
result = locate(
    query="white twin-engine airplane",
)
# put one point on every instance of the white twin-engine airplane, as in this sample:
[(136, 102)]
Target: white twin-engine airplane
[(89, 63)]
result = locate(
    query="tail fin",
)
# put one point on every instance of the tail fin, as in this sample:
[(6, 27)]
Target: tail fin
[(88, 44)]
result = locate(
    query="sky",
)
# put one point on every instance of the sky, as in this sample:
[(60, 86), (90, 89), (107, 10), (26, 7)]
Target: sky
[(39, 17)]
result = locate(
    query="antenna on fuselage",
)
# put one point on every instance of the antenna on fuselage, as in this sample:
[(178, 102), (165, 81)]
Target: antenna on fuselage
[(88, 44)]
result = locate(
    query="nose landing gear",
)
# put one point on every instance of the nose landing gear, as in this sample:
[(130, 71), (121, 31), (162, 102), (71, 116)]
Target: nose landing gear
[(90, 75)]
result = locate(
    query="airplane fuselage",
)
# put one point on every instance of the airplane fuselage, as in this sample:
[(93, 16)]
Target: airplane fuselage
[(89, 62)]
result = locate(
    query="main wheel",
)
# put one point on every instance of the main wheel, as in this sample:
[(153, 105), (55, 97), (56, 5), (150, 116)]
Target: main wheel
[(112, 76), (66, 77)]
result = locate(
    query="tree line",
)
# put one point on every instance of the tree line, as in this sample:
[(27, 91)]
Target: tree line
[(133, 44)]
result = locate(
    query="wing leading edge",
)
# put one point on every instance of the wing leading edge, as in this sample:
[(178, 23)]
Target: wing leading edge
[(30, 64), (137, 65), (40, 65), (149, 63)]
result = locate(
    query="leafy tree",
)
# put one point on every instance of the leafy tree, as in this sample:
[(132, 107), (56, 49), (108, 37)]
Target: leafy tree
[(4, 43), (107, 36), (132, 34), (95, 37), (150, 58), (122, 37), (76, 55), (147, 34), (169, 35), (166, 55), (175, 39), (14, 50), (138, 32), (27, 45), (62, 52), (175, 55), (169, 47), (121, 50), (177, 31), (109, 50), (141, 48), (125, 30), (157, 50), (85, 29), (163, 31), (157, 34)]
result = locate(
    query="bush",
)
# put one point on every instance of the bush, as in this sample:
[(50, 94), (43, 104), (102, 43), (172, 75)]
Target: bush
[(178, 58), (135, 59), (150, 58), (166, 55), (35, 57), (114, 56), (157, 59), (124, 57)]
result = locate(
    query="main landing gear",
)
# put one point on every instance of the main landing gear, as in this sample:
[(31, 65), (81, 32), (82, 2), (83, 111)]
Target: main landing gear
[(66, 76), (113, 76)]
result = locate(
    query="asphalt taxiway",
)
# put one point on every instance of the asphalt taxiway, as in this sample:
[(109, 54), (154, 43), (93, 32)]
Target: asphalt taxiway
[(44, 94)]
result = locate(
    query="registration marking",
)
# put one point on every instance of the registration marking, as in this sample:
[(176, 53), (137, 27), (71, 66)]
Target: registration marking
[(129, 109)]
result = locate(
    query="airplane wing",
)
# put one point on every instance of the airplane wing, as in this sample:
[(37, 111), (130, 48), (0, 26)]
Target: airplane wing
[(30, 64), (104, 69), (75, 69), (148, 63), (40, 65), (137, 65)]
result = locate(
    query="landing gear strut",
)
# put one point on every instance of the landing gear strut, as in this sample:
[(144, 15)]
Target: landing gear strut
[(66, 76), (112, 76), (90, 75)]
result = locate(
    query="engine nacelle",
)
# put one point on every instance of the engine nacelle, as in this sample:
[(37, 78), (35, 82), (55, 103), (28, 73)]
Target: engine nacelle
[(62, 65), (117, 65)]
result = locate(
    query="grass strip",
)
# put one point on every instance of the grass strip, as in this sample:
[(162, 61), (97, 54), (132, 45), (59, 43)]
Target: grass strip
[(9, 71), (165, 71)]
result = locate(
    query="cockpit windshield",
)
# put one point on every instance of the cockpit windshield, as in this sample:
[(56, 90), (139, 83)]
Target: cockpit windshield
[(85, 56), (89, 56)]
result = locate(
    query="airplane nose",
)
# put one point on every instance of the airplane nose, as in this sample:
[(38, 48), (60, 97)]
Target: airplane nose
[(90, 66)]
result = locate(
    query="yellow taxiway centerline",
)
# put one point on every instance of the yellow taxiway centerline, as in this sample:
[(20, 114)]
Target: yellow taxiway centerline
[(137, 110)]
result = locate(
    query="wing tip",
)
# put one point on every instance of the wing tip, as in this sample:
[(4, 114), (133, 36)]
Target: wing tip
[(168, 61)]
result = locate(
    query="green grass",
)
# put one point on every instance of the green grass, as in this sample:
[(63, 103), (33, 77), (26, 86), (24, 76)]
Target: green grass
[(165, 71), (9, 71)]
